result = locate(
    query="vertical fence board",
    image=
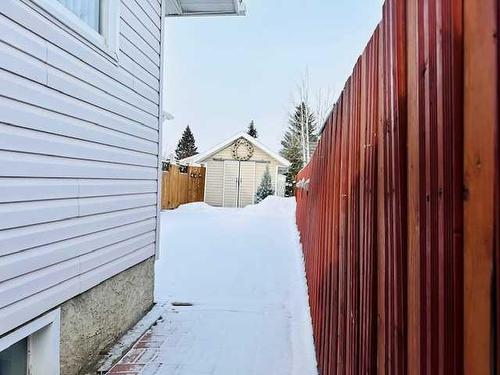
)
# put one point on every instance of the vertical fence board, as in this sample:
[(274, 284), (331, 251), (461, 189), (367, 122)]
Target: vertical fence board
[(497, 215), (480, 119), (415, 195), (381, 227)]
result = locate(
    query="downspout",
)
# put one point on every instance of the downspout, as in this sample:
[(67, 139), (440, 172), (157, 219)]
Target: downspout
[(160, 128)]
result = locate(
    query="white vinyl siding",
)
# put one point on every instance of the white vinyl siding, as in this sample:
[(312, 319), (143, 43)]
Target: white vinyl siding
[(87, 10), (78, 155), (214, 183)]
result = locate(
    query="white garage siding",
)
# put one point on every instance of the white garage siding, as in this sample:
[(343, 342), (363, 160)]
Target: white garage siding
[(78, 155)]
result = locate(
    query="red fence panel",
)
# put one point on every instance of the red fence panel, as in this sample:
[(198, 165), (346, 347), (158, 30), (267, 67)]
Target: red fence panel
[(497, 228), (389, 207)]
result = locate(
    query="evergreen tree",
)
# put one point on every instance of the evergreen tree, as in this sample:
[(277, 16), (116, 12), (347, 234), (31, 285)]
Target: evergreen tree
[(265, 188), (302, 120), (186, 146), (252, 130)]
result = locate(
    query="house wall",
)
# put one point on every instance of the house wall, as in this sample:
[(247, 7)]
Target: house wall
[(215, 175), (94, 320), (78, 155)]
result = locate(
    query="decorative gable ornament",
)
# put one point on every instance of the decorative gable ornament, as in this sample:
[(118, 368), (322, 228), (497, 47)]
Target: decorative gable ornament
[(242, 150)]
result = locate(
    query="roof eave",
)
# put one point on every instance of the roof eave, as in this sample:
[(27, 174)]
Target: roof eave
[(174, 9), (207, 14)]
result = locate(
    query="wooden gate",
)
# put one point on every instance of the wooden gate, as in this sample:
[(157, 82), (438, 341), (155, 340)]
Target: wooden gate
[(182, 185)]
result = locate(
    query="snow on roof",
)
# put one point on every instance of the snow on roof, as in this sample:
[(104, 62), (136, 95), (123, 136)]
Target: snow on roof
[(190, 160), (203, 156)]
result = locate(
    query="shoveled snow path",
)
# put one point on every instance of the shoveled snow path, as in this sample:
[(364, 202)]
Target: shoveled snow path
[(242, 270)]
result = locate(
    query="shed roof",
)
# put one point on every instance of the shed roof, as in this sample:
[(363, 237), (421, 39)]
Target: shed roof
[(203, 156)]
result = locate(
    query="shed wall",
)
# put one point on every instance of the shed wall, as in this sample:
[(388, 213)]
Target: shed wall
[(250, 175), (258, 155)]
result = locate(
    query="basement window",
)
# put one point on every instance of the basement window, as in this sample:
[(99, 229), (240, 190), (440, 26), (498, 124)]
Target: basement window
[(14, 359), (32, 348)]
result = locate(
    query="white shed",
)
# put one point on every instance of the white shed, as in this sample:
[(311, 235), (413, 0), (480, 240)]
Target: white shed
[(235, 169)]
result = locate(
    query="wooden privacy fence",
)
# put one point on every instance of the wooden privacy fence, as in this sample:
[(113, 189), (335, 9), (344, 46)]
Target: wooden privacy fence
[(398, 209), (182, 185)]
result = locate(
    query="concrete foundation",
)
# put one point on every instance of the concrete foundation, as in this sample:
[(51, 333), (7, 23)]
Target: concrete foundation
[(94, 320)]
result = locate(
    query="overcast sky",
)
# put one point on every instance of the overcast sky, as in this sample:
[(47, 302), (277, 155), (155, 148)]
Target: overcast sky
[(223, 72)]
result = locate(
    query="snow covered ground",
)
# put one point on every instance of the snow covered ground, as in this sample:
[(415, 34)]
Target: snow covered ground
[(242, 271)]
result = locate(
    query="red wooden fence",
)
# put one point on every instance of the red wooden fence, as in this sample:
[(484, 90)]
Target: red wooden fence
[(398, 207)]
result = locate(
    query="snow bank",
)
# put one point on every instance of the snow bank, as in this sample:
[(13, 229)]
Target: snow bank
[(273, 205), (194, 207)]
